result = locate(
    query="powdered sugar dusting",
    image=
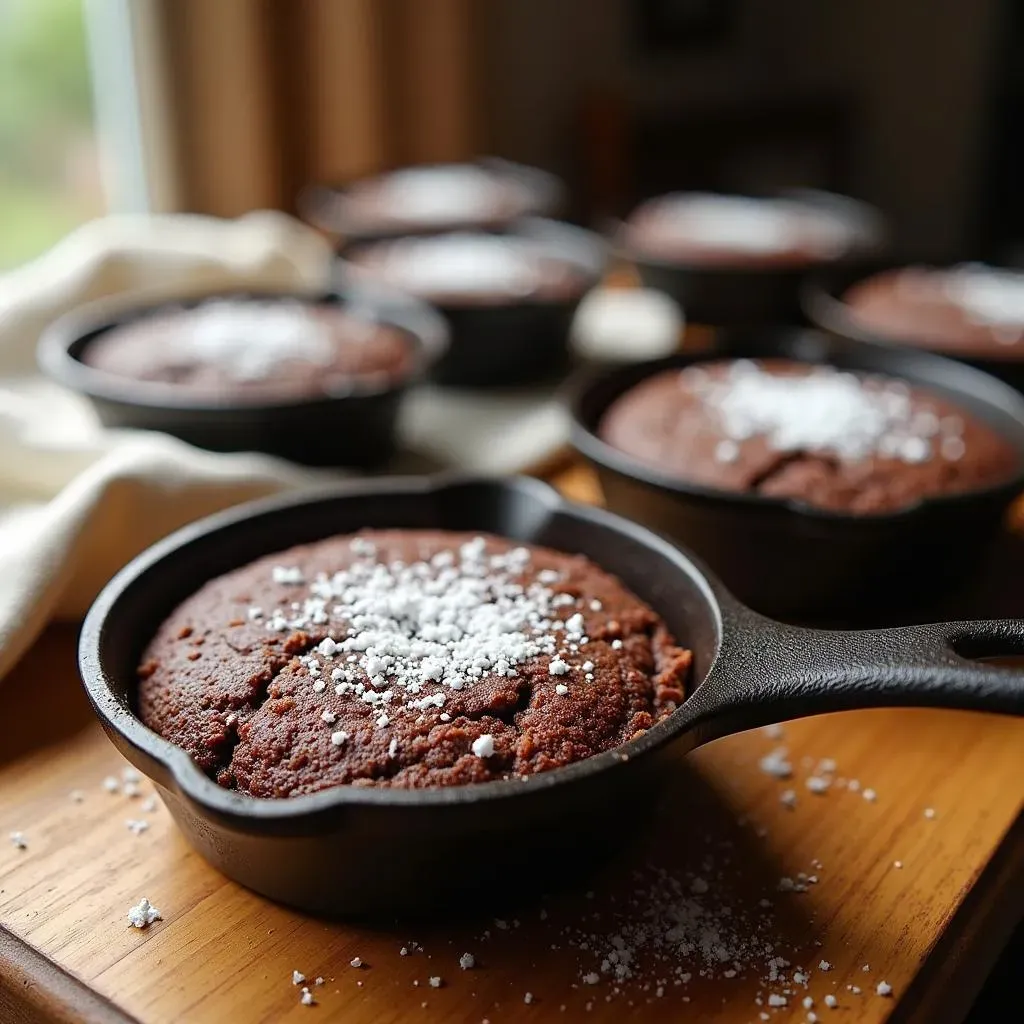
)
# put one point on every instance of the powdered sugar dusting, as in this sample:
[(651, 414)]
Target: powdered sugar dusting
[(761, 226), (403, 637), (988, 295), (824, 410), (250, 339), (463, 262), (441, 194)]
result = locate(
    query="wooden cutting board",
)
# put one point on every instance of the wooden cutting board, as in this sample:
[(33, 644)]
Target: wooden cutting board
[(931, 928)]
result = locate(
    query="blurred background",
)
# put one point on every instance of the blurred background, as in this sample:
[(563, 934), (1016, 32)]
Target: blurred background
[(222, 107)]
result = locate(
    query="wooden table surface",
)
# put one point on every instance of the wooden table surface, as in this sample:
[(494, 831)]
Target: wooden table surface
[(931, 928)]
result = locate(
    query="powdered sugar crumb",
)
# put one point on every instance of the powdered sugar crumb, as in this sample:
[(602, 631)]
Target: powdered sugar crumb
[(143, 914), (483, 746)]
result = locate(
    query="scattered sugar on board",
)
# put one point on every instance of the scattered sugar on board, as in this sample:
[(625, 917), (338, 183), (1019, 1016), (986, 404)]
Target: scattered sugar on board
[(143, 914), (776, 764), (307, 998), (298, 977), (19, 840), (884, 988)]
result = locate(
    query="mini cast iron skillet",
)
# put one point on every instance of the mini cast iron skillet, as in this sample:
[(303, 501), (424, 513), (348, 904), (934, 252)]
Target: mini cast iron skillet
[(368, 851), (322, 206), (789, 559), (523, 340), (747, 295), (355, 428), (821, 297)]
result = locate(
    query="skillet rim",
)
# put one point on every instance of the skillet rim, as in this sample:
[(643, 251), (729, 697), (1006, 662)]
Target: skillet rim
[(249, 813)]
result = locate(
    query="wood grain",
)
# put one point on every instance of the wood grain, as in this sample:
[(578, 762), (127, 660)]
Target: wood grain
[(930, 928)]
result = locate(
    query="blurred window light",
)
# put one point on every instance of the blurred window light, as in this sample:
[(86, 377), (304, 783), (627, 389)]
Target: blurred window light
[(69, 117)]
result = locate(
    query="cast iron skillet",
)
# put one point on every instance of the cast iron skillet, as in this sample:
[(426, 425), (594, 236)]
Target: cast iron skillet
[(368, 851), (745, 295), (821, 298), (355, 428), (320, 205), (786, 558), (523, 340)]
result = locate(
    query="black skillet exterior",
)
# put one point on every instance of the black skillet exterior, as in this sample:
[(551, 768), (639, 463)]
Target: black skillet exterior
[(524, 341), (373, 851), (821, 300), (793, 561), (735, 297), (354, 429)]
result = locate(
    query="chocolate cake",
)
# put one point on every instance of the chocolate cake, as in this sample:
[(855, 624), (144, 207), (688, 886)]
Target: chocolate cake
[(237, 350), (729, 231), (474, 269), (406, 658), (814, 434), (967, 310), (432, 197)]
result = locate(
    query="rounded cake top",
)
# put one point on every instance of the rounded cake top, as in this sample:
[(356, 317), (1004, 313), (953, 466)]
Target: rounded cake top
[(829, 438), (253, 348), (970, 308), (731, 229), (407, 658)]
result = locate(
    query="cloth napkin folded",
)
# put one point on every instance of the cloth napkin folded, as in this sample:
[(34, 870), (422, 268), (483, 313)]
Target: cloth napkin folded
[(77, 501)]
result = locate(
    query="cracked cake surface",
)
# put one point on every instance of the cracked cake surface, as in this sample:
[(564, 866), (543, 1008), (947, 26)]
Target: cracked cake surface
[(810, 433), (406, 658)]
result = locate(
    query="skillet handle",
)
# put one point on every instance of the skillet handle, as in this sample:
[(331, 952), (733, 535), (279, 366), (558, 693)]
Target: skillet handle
[(769, 672)]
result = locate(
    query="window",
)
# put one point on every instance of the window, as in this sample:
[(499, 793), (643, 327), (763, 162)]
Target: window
[(50, 177)]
